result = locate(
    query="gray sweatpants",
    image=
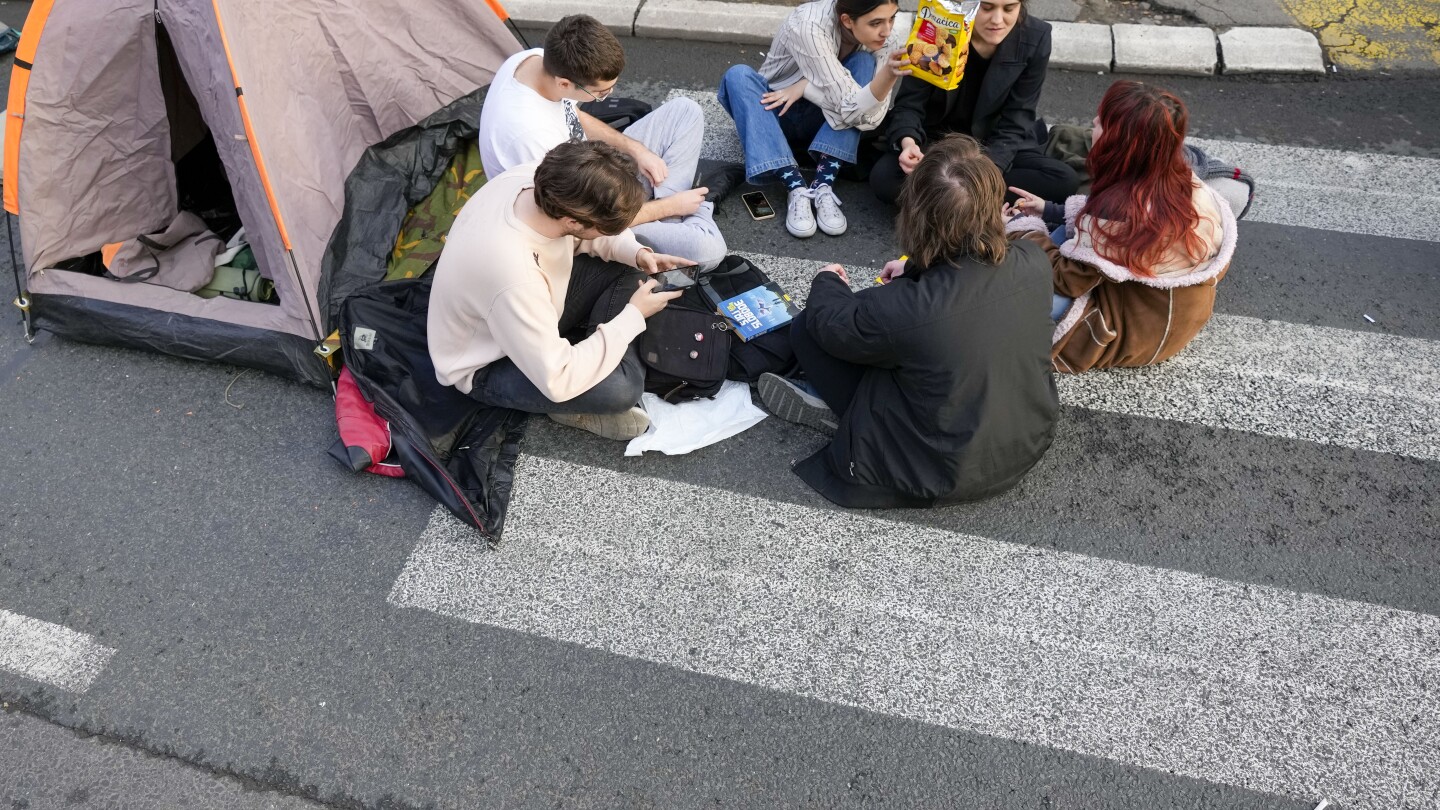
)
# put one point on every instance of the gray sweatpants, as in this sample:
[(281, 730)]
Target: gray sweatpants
[(675, 131)]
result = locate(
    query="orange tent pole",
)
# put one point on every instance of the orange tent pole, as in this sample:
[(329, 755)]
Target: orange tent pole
[(505, 18), (19, 86), (250, 130), (498, 9), (260, 168)]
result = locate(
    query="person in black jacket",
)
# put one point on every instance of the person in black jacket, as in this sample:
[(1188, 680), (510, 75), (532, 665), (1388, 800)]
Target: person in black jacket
[(995, 102), (937, 385)]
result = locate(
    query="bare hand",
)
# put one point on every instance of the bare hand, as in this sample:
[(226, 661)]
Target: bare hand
[(894, 269), (650, 164), (910, 156), (784, 98), (650, 302), (898, 62), (1028, 204), (652, 262), (837, 270), (685, 203)]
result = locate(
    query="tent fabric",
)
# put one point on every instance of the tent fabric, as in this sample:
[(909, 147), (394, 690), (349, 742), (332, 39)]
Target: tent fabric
[(19, 88), (90, 319), (195, 36), (348, 74), (94, 162), (322, 80)]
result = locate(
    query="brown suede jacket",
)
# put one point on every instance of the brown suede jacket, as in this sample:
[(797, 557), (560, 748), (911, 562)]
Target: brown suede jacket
[(1119, 318)]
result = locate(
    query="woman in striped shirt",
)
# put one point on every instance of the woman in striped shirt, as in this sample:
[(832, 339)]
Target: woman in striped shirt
[(830, 75)]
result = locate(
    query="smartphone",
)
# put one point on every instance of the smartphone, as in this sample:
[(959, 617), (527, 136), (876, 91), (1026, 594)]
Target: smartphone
[(758, 205), (677, 279)]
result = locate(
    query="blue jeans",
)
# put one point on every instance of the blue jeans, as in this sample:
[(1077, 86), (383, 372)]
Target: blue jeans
[(1059, 303), (765, 135)]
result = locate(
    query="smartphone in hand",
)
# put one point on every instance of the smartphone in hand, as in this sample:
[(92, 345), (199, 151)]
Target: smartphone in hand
[(677, 279)]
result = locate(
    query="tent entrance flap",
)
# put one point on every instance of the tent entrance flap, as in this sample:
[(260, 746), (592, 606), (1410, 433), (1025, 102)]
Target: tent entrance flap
[(201, 183)]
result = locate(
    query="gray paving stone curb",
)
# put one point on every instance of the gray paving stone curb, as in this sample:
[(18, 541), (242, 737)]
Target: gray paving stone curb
[(1270, 50), (1192, 50), (1188, 50)]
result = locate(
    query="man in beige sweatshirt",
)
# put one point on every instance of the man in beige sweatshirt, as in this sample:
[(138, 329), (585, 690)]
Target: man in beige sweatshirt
[(508, 291)]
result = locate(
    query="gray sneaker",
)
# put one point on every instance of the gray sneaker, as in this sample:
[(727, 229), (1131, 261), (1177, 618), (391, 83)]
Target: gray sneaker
[(785, 399), (619, 426)]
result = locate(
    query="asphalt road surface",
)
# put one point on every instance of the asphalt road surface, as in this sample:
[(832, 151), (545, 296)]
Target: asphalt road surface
[(1218, 589)]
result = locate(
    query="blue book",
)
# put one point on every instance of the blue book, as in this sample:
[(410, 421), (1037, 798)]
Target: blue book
[(758, 311)]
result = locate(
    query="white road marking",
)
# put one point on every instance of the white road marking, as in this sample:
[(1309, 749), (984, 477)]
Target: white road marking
[(1280, 692), (1360, 390), (1349, 192), (50, 653)]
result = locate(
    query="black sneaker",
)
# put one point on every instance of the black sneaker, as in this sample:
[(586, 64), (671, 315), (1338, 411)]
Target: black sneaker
[(721, 180), (785, 399)]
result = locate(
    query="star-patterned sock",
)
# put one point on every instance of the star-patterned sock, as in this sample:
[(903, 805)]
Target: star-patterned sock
[(791, 177), (825, 172)]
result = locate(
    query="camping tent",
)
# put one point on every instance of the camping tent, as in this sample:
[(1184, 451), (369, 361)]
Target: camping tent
[(121, 112)]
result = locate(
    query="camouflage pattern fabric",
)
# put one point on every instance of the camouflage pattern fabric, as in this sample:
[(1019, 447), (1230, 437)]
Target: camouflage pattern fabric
[(422, 235)]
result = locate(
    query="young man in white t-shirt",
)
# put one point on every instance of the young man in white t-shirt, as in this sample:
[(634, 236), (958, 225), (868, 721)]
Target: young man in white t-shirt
[(510, 285), (533, 105)]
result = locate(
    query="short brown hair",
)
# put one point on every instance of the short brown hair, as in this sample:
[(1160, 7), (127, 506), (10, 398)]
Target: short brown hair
[(950, 205), (593, 183), (582, 50)]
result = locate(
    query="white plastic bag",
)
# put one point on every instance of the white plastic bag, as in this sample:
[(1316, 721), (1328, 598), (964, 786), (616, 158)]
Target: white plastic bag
[(679, 428)]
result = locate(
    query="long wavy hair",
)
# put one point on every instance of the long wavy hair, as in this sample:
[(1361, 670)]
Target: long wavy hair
[(1141, 184), (950, 205)]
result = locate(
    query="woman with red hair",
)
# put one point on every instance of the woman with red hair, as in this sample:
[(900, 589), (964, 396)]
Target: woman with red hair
[(1136, 265)]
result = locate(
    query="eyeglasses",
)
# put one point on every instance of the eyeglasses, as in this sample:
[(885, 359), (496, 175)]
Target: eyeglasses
[(592, 94)]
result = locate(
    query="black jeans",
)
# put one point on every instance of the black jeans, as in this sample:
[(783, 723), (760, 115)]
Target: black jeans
[(598, 291), (835, 379), (1031, 170)]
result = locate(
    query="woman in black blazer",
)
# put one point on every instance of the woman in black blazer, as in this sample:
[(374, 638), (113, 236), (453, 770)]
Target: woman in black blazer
[(937, 384), (995, 103)]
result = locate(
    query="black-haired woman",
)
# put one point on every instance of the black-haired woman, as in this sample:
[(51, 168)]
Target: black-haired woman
[(828, 76), (995, 103)]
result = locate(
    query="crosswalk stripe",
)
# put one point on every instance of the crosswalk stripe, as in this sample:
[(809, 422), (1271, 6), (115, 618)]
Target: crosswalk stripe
[(1333, 190), (1357, 390), (50, 653), (1287, 693), (1348, 192)]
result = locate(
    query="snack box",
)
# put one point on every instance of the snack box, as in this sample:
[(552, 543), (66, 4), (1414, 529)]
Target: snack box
[(939, 42)]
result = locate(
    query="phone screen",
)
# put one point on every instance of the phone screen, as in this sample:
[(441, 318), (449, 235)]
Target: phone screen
[(758, 205), (677, 279)]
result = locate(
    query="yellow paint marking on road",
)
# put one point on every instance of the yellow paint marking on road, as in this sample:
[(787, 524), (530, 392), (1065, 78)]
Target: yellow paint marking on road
[(1373, 33)]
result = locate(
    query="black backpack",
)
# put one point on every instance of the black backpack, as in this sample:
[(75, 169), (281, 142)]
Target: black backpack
[(688, 349), (619, 113)]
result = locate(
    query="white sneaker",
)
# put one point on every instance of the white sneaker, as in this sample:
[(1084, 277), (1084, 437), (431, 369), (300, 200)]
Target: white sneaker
[(620, 426), (800, 219), (827, 210)]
